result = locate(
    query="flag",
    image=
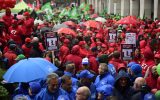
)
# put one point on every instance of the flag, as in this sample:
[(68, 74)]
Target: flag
[(74, 13), (46, 6)]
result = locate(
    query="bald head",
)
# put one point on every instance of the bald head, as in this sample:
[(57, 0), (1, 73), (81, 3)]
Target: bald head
[(83, 93), (35, 39), (139, 81)]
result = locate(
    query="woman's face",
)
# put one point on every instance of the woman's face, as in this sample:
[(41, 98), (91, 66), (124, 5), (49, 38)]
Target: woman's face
[(123, 81)]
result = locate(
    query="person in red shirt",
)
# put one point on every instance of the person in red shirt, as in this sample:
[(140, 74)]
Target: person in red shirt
[(15, 32), (83, 51), (92, 59), (148, 61), (28, 24), (27, 47), (74, 57), (11, 54), (152, 77), (4, 37), (8, 18), (64, 50)]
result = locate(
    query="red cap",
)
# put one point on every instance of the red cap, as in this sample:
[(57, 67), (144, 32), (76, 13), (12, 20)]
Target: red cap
[(121, 65), (26, 14), (27, 40), (81, 43), (66, 41)]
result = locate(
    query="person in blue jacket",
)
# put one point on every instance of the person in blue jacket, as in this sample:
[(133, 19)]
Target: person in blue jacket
[(104, 76), (86, 80), (105, 92), (123, 89), (34, 89), (111, 68), (135, 71), (52, 91), (66, 87), (70, 71)]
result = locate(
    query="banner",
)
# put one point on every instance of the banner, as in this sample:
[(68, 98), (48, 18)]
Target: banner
[(112, 35), (51, 41), (127, 51), (130, 38)]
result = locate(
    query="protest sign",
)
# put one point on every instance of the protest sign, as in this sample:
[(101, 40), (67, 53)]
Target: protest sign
[(51, 41), (112, 35), (130, 38), (127, 51)]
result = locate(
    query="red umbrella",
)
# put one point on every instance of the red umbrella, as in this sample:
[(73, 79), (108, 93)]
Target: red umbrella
[(70, 23), (92, 23), (128, 20), (67, 31)]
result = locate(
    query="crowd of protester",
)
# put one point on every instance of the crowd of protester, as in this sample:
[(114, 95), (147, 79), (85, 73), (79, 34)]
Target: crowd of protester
[(90, 68)]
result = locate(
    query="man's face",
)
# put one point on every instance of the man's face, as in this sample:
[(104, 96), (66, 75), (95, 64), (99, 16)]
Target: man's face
[(101, 70), (53, 85), (80, 95), (154, 71), (67, 85), (8, 12), (85, 81)]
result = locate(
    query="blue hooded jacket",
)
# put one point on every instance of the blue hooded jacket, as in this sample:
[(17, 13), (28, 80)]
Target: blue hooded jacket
[(105, 79), (71, 95), (44, 94), (137, 70), (123, 93), (112, 69)]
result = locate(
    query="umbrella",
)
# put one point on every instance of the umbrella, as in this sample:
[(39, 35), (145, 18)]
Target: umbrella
[(70, 23), (92, 23), (101, 19), (28, 70), (67, 31), (45, 29), (59, 26), (128, 20)]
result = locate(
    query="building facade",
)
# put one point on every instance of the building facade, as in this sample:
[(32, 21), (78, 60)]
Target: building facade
[(141, 8)]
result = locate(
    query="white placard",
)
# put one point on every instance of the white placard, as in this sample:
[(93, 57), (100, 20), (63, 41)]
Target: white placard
[(51, 41), (130, 38)]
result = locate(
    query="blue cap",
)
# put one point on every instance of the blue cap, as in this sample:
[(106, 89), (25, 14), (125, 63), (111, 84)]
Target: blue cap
[(136, 69), (149, 96), (106, 90), (131, 63), (35, 87), (85, 74)]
